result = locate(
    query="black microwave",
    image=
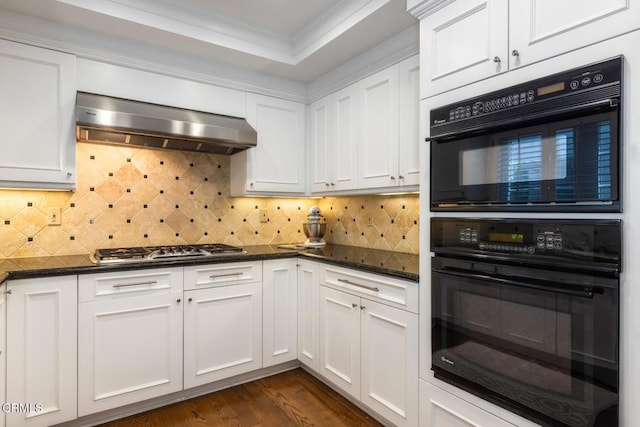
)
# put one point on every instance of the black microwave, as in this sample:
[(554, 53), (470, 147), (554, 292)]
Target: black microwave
[(551, 144)]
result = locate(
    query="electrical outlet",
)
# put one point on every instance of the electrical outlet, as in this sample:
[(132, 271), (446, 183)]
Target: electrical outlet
[(54, 216), (263, 215)]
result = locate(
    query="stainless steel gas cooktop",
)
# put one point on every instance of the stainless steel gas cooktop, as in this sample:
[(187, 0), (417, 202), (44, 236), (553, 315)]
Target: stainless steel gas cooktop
[(159, 253)]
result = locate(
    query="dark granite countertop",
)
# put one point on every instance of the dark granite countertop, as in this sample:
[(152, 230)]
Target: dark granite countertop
[(390, 263)]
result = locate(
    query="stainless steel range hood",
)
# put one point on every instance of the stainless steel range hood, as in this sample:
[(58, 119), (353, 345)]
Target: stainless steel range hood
[(107, 120)]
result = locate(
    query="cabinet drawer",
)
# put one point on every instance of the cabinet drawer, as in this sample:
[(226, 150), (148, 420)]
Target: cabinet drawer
[(129, 283), (206, 276), (400, 293)]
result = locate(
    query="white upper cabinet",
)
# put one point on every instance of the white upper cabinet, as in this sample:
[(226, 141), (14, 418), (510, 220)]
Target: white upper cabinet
[(470, 40), (465, 41), (333, 128), (409, 122), (389, 138), (37, 104), (378, 132), (539, 29), (276, 166)]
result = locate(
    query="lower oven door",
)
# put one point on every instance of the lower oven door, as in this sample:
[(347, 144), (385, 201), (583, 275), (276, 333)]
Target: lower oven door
[(541, 343)]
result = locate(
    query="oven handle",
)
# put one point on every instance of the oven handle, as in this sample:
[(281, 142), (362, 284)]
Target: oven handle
[(609, 102), (587, 292)]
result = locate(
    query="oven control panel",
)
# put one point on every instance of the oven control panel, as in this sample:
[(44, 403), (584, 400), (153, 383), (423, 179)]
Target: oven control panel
[(575, 239), (556, 86)]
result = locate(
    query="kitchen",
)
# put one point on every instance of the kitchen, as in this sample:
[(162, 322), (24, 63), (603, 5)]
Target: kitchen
[(131, 197)]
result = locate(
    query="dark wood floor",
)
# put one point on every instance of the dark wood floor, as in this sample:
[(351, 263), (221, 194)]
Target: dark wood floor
[(293, 398)]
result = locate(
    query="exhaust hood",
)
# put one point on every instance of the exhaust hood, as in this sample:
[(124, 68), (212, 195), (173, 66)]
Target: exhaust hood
[(108, 120)]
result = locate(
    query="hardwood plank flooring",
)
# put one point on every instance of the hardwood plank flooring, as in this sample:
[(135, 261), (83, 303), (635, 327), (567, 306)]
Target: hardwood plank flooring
[(292, 398)]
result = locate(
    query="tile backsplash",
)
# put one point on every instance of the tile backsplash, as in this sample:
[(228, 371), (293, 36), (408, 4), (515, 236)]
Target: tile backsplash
[(137, 197)]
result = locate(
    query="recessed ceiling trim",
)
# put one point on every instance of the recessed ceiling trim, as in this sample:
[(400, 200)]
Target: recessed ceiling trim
[(235, 34)]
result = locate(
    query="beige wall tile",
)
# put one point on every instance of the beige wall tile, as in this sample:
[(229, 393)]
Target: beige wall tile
[(134, 197)]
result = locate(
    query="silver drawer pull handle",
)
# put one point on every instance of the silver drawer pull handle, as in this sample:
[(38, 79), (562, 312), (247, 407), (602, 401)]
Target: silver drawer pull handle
[(124, 285), (348, 282), (215, 276)]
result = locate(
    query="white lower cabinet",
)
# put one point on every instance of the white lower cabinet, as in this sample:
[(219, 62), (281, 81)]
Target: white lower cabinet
[(42, 341), (279, 311), (370, 350), (308, 313), (440, 408), (222, 331), (130, 337)]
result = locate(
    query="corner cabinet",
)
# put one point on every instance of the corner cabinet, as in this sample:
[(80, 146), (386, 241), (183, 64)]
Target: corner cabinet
[(276, 166), (388, 134), (369, 341), (279, 311), (37, 106), (42, 345), (470, 40), (365, 137), (308, 313), (333, 143)]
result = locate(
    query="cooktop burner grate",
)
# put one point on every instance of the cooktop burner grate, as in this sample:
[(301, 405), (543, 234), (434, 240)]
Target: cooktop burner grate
[(151, 253)]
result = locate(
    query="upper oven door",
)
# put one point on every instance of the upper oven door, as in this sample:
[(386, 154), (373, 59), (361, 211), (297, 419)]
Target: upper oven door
[(550, 144), (563, 165)]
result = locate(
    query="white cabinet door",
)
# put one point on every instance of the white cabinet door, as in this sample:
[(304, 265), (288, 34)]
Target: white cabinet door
[(466, 41), (308, 313), (279, 311), (340, 339), (222, 332), (378, 130), (344, 139), (276, 166), (540, 29), (320, 145), (130, 350), (390, 362), (439, 408), (333, 140), (3, 350), (37, 105), (42, 345), (409, 122)]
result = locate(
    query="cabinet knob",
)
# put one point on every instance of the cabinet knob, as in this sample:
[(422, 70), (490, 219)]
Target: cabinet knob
[(178, 300), (515, 52), (326, 184), (190, 299), (69, 174), (354, 305), (400, 177), (8, 291), (497, 59), (392, 177), (362, 307), (251, 184), (333, 184)]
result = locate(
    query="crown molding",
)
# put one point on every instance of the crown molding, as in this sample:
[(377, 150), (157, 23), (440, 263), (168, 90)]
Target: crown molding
[(96, 47), (134, 55), (235, 34), (402, 46), (422, 9)]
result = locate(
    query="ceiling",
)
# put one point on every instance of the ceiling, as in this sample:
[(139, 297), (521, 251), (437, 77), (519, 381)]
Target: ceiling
[(299, 40)]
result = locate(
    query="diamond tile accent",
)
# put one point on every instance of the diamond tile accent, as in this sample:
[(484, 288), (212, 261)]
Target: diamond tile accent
[(187, 201)]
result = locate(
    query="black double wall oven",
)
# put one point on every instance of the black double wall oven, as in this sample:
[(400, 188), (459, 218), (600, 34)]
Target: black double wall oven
[(525, 310)]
